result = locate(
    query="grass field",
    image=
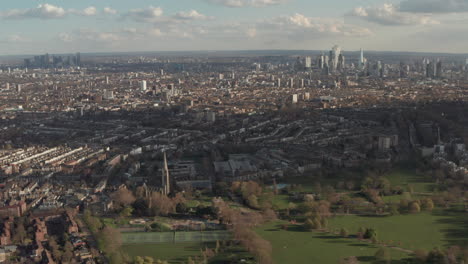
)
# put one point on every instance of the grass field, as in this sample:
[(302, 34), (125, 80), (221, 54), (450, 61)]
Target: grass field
[(414, 231), (298, 247), (179, 253), (406, 178), (174, 253)]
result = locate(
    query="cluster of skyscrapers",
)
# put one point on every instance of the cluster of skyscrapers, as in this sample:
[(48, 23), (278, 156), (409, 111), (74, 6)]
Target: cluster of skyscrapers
[(48, 61)]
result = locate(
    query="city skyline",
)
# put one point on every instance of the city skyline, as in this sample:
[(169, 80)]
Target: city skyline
[(32, 27)]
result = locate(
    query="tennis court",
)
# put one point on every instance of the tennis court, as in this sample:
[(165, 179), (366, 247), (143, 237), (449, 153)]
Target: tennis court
[(174, 237)]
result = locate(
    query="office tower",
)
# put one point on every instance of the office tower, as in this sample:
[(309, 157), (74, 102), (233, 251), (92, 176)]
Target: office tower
[(439, 69), (108, 95), (302, 83), (78, 59), (321, 61), (361, 58), (279, 82), (403, 71), (294, 98), (334, 57), (383, 71), (166, 189), (171, 88), (18, 88), (291, 82), (162, 72), (430, 69), (341, 62), (107, 80), (308, 62), (143, 86), (326, 70)]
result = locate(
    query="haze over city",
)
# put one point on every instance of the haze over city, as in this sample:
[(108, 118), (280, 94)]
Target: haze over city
[(30, 27)]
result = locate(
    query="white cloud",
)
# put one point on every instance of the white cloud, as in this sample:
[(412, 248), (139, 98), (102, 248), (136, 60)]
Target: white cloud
[(46, 11), (65, 37), (251, 32), (390, 15), (42, 11), (245, 3), (301, 24), (110, 11), (434, 6), (190, 15), (150, 14), (90, 11)]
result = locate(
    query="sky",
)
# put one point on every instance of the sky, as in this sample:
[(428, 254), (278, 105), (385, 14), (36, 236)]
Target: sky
[(68, 26)]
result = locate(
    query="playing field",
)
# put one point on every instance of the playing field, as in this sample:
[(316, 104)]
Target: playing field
[(174, 253), (441, 228), (298, 247), (415, 231)]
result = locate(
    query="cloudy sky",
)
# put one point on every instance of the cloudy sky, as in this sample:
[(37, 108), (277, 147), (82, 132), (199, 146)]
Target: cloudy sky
[(61, 26)]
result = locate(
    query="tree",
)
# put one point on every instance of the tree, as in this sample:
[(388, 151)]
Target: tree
[(123, 197), (309, 225), (324, 222), (370, 234), (139, 260), (317, 223), (67, 256), (252, 201), (436, 256), (126, 212), (344, 232), (428, 204), (55, 249), (383, 255), (420, 255), (109, 240), (20, 232), (360, 233), (92, 222), (68, 252), (161, 204), (349, 260), (414, 207)]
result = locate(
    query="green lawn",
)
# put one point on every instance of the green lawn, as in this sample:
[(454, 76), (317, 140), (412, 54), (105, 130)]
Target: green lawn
[(414, 231), (298, 247), (179, 253), (174, 253), (406, 178)]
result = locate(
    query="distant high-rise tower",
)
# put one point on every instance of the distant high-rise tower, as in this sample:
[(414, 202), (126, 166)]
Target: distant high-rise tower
[(78, 59), (362, 60), (166, 189), (439, 69), (321, 61), (308, 63), (334, 57), (143, 86)]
